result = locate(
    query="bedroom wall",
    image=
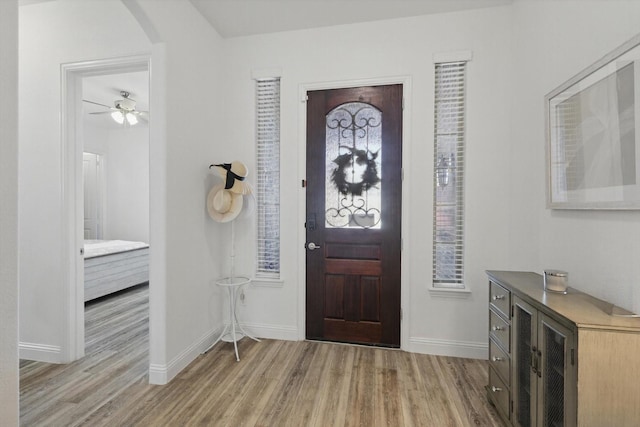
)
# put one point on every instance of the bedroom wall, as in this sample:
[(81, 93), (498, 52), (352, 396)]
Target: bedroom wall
[(127, 184), (95, 138), (46, 42), (9, 393), (600, 250), (444, 324), (126, 160)]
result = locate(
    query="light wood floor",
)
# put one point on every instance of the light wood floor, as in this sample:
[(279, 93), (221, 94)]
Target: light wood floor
[(276, 383)]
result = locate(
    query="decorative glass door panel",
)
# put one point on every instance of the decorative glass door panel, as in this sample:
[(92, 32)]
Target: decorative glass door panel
[(524, 376), (543, 369), (553, 408), (353, 166), (556, 375)]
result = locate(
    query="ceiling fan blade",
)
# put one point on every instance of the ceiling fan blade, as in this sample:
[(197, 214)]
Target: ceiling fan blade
[(97, 103), (102, 112)]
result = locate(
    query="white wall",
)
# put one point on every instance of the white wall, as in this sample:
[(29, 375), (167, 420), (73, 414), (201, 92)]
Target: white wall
[(127, 184), (94, 139), (125, 158), (185, 100), (404, 48), (9, 213), (600, 250), (46, 42), (193, 126)]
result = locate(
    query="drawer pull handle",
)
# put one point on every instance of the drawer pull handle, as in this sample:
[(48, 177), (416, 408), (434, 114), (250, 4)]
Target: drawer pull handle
[(497, 328), (495, 389), (497, 359), (497, 297)]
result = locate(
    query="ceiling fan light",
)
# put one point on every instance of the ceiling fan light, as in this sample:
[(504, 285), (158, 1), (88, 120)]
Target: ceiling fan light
[(131, 119), (118, 117)]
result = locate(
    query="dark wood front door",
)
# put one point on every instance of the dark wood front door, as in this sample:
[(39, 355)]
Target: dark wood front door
[(354, 195)]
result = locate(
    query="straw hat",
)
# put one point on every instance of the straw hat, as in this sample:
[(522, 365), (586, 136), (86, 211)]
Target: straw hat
[(222, 204), (234, 174)]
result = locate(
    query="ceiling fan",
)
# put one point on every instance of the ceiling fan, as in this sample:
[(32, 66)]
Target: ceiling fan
[(124, 110)]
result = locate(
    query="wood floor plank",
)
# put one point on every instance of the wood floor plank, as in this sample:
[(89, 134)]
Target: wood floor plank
[(387, 389), (334, 387), (275, 383)]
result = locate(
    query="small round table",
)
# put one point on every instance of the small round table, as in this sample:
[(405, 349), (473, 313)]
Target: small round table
[(233, 285)]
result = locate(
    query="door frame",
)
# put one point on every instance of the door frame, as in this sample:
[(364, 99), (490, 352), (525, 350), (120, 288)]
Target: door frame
[(405, 295), (72, 227)]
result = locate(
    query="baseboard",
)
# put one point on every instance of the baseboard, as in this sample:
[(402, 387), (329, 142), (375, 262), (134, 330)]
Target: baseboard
[(161, 374), (439, 347), (272, 332), (40, 352), (158, 374)]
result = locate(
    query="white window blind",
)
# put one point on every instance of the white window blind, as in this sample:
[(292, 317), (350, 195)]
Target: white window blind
[(448, 182), (268, 177)]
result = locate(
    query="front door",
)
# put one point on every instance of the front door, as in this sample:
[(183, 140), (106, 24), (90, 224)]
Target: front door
[(353, 215)]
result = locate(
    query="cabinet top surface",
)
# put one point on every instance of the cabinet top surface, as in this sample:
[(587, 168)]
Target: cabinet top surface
[(582, 309)]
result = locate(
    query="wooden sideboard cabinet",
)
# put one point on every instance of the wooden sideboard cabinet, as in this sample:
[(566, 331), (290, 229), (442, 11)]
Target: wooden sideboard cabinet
[(560, 359)]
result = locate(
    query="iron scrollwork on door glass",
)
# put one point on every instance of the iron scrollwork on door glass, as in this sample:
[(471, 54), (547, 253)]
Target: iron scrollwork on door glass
[(353, 166)]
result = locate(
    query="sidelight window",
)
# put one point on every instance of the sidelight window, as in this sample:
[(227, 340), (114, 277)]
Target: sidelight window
[(448, 178), (268, 177)]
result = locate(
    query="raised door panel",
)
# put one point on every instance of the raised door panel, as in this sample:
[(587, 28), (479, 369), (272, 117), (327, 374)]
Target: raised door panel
[(92, 195)]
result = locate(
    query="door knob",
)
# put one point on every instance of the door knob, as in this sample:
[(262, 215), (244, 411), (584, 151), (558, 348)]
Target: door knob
[(312, 246)]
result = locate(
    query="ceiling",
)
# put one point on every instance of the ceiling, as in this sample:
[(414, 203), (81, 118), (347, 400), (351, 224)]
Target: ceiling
[(106, 89), (232, 18)]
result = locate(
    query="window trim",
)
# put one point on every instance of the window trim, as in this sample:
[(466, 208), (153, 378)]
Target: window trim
[(457, 287), (262, 275)]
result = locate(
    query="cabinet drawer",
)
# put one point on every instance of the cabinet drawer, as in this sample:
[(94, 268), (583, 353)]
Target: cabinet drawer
[(500, 299), (499, 393), (499, 330), (500, 361)]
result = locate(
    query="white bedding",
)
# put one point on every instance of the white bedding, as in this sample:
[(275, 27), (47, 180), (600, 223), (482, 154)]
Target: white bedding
[(113, 265), (96, 248)]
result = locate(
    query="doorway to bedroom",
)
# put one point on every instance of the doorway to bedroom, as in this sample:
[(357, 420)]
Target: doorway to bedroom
[(106, 132), (115, 182)]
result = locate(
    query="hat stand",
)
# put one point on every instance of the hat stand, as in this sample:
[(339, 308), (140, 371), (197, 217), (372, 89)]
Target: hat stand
[(232, 269), (233, 285)]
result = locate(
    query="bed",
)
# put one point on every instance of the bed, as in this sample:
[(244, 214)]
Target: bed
[(113, 265)]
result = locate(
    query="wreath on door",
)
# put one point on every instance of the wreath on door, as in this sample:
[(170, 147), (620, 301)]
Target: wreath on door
[(368, 179)]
